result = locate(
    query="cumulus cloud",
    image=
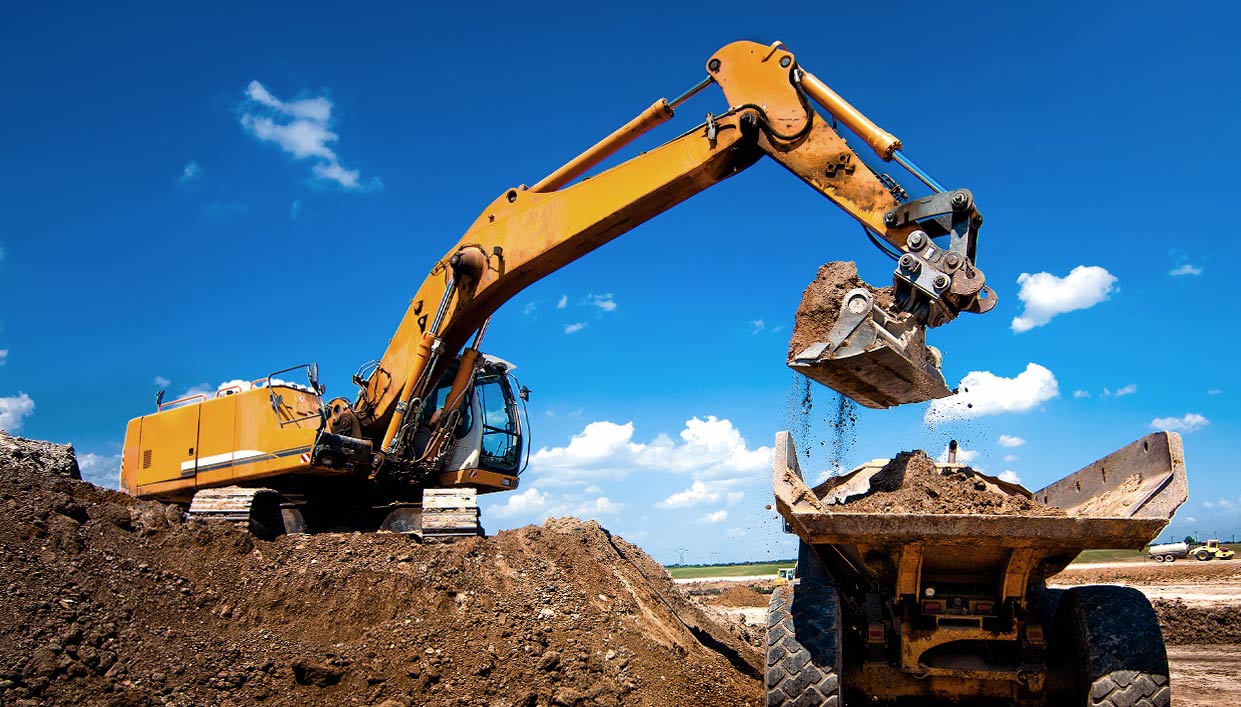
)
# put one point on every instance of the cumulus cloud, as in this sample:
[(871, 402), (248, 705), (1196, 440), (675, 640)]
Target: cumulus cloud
[(1186, 423), (1011, 441), (191, 172), (984, 393), (301, 128), (1081, 393), (964, 456), (604, 302), (101, 469), (715, 517), (709, 449), (574, 328), (161, 381), (4, 354), (1121, 392), (13, 410), (562, 302), (701, 492), (534, 504), (1010, 476), (1045, 296), (1186, 269)]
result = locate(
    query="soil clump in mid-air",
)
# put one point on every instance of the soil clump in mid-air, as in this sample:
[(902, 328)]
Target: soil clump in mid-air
[(821, 301)]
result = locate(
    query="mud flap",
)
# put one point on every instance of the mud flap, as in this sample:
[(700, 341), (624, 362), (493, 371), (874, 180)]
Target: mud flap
[(874, 357)]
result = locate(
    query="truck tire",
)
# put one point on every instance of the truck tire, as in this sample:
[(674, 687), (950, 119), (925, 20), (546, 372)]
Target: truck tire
[(1169, 558), (1159, 558), (1108, 650), (803, 646)]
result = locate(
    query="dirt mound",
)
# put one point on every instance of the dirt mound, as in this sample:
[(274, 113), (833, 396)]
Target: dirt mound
[(112, 601), (1189, 625), (740, 595), (821, 301), (911, 483)]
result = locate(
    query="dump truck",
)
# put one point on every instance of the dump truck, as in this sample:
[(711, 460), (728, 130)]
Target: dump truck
[(435, 421), (922, 605)]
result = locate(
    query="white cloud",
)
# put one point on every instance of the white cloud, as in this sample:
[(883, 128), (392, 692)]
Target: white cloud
[(715, 517), (4, 354), (13, 410), (964, 456), (735, 533), (604, 302), (1223, 503), (700, 492), (758, 325), (237, 385), (562, 302), (528, 502), (529, 308), (574, 328), (1010, 458), (709, 449), (1188, 423), (1046, 296), (984, 393), (1191, 519), (192, 171), (1185, 269), (598, 507), (1121, 392), (1011, 441), (1010, 476), (101, 469), (161, 381), (1214, 391), (1081, 393), (302, 129)]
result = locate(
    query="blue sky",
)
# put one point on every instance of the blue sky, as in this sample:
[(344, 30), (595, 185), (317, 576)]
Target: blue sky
[(161, 221)]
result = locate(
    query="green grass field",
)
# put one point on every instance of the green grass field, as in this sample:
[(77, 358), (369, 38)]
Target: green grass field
[(709, 571), (1110, 556)]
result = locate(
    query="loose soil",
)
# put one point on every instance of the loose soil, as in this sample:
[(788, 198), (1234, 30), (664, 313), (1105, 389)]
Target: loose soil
[(737, 596), (911, 483), (112, 601), (1186, 624), (821, 302)]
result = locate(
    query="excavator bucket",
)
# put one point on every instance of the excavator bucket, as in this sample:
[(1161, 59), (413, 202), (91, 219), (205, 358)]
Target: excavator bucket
[(847, 338)]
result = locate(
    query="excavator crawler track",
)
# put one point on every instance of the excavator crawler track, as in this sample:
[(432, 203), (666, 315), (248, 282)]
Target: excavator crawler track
[(256, 510)]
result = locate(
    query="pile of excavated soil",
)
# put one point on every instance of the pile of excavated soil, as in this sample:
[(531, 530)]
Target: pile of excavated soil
[(740, 595), (1187, 625), (821, 301), (911, 483), (113, 601)]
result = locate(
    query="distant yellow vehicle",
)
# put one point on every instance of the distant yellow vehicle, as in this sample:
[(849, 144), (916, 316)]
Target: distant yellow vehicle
[(784, 575), (1211, 550)]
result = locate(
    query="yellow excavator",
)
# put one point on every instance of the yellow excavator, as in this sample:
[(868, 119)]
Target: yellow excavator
[(435, 421)]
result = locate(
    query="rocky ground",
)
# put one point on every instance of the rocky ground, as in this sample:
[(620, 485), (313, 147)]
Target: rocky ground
[(112, 601)]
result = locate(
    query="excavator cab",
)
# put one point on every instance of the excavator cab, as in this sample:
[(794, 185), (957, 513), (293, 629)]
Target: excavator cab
[(486, 451)]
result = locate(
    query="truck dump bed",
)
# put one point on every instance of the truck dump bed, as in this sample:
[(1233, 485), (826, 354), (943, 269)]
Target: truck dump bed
[(1120, 501)]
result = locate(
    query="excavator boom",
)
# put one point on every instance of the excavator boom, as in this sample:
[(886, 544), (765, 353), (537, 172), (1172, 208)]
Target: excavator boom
[(418, 421)]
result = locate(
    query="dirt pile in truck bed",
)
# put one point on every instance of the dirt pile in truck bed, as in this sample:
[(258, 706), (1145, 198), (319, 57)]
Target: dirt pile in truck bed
[(821, 301), (112, 601), (911, 483)]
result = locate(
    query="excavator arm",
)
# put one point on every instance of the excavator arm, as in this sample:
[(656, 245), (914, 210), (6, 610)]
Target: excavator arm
[(529, 232)]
